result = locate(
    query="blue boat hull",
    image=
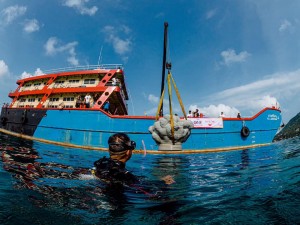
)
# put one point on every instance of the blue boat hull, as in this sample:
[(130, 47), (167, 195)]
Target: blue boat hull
[(91, 129)]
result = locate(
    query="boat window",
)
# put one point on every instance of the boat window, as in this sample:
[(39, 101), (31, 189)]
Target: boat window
[(37, 84), (59, 82), (23, 100), (27, 85), (67, 99), (89, 81), (54, 99), (31, 99), (73, 81)]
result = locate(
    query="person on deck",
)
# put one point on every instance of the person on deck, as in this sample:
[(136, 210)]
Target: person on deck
[(106, 106), (114, 81), (87, 100), (196, 113), (222, 115), (78, 101)]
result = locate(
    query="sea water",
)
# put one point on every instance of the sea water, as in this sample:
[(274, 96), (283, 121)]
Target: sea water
[(252, 186)]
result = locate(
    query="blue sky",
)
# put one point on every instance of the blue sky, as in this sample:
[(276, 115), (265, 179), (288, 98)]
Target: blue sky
[(228, 55)]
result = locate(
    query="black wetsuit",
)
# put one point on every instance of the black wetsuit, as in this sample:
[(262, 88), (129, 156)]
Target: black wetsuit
[(114, 173)]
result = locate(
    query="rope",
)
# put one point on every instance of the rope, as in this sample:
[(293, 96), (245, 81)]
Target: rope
[(159, 104), (170, 105), (178, 96)]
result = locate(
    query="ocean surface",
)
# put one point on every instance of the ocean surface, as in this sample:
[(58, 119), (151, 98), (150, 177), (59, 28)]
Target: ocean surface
[(42, 184)]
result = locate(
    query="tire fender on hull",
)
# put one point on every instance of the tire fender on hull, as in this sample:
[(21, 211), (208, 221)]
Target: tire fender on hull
[(245, 132)]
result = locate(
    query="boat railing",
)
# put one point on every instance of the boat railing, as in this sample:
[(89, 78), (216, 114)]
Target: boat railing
[(86, 67)]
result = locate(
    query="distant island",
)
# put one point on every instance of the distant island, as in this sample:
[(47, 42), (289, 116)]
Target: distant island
[(291, 129)]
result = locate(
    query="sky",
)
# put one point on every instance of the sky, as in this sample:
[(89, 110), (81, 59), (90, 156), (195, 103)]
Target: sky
[(227, 55)]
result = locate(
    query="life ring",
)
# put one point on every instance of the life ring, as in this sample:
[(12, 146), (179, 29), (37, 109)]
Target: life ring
[(245, 132)]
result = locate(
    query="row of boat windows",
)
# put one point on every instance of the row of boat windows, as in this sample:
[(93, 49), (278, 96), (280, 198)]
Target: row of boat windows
[(66, 106), (35, 84), (52, 106), (65, 99), (86, 81), (23, 106), (29, 100)]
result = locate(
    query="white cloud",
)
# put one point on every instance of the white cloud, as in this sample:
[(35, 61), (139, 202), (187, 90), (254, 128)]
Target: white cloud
[(210, 14), (254, 96), (267, 101), (285, 25), (25, 75), (37, 72), (208, 111), (50, 46), (152, 111), (122, 46), (72, 60), (80, 5), (280, 84), (31, 26), (11, 13), (230, 57), (53, 47), (3, 68), (215, 110), (153, 99)]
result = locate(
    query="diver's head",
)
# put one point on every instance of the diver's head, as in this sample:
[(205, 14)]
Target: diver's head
[(120, 147)]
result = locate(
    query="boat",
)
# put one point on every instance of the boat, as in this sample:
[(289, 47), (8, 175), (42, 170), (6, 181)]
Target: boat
[(82, 106)]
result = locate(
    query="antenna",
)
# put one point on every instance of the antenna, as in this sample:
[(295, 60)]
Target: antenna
[(100, 56)]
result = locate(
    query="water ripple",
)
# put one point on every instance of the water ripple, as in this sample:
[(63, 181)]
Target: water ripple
[(253, 186)]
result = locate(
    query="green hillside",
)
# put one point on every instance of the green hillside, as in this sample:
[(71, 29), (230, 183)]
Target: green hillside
[(292, 129)]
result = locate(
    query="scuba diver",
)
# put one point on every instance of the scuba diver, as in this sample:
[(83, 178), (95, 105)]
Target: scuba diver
[(112, 170)]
